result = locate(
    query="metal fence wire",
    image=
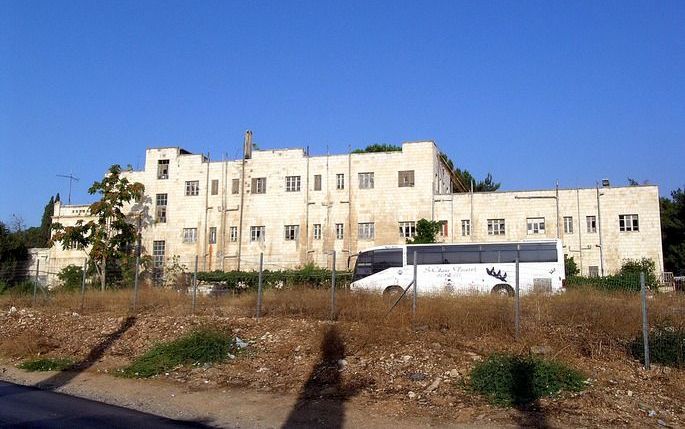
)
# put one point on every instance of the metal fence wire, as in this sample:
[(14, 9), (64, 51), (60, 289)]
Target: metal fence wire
[(661, 338)]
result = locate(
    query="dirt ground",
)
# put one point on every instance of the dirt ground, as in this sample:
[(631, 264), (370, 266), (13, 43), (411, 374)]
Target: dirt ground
[(280, 379)]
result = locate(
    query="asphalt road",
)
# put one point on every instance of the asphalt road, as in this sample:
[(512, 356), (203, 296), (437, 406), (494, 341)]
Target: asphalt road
[(28, 407)]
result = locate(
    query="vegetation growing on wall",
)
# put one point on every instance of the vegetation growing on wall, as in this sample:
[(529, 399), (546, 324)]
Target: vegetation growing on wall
[(379, 148)]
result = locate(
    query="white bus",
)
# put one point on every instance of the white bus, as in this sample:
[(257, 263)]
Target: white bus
[(462, 268)]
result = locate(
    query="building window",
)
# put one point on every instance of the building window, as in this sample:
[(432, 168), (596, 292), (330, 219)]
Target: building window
[(536, 225), (444, 230), (160, 208), (212, 235), (189, 235), (257, 233), (192, 188), (158, 248), (496, 227), (340, 181), (568, 224), (366, 231), (291, 232), (405, 178), (365, 180), (163, 169), (591, 224), (317, 231), (292, 183), (233, 233), (465, 227), (235, 186), (628, 222), (317, 182), (215, 187), (259, 185), (339, 231), (407, 229), (593, 271)]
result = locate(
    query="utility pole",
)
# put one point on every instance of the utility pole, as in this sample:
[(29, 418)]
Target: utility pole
[(71, 178), (599, 231)]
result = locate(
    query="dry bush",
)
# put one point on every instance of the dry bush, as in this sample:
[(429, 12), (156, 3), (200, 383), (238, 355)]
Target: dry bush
[(581, 323)]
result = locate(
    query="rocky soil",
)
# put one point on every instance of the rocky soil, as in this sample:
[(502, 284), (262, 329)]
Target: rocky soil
[(423, 375)]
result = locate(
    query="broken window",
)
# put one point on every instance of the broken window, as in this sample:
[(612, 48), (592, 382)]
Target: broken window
[(405, 178), (235, 186), (407, 229), (192, 188), (163, 169), (496, 227), (628, 222), (215, 187), (317, 182), (259, 185), (291, 232), (160, 208)]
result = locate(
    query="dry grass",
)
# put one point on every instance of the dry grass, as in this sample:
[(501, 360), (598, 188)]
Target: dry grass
[(578, 323)]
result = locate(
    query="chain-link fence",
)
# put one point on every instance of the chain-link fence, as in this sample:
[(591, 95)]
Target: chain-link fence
[(629, 311)]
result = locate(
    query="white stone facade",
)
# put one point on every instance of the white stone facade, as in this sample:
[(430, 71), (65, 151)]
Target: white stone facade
[(311, 205)]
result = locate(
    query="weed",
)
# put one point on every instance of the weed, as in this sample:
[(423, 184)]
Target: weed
[(46, 364), (198, 347), (666, 346), (515, 380)]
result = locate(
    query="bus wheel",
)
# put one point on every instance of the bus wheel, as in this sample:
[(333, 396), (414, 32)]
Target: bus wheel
[(502, 290), (391, 293)]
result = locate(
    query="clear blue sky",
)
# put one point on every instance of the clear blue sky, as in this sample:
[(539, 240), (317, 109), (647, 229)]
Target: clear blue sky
[(530, 91)]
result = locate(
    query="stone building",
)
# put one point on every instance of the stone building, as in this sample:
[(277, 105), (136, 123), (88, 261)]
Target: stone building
[(295, 209)]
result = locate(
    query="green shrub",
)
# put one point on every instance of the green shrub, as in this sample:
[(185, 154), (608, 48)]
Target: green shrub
[(71, 277), (198, 347), (666, 346), (627, 278), (570, 266), (310, 275), (46, 364), (514, 380)]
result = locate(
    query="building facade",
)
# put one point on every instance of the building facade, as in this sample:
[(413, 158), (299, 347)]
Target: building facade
[(296, 209)]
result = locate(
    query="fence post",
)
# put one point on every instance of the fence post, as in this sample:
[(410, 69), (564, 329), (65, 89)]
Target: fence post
[(135, 281), (413, 302), (35, 283), (645, 321), (195, 284), (259, 284), (333, 289), (517, 307), (83, 283)]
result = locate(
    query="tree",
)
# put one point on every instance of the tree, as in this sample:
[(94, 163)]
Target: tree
[(110, 235), (13, 254), (570, 266), (379, 148), (673, 231), (426, 230), (488, 184), (40, 236)]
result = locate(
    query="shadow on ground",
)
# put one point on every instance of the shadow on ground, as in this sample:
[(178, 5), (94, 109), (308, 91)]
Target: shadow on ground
[(531, 413), (321, 403), (65, 376)]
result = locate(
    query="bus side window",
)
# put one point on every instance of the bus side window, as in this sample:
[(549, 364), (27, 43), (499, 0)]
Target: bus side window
[(538, 253), (461, 255), (383, 259)]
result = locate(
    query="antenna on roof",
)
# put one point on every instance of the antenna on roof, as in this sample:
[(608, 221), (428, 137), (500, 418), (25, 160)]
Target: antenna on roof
[(71, 178)]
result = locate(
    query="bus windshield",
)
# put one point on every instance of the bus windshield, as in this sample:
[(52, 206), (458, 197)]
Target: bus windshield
[(375, 261)]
